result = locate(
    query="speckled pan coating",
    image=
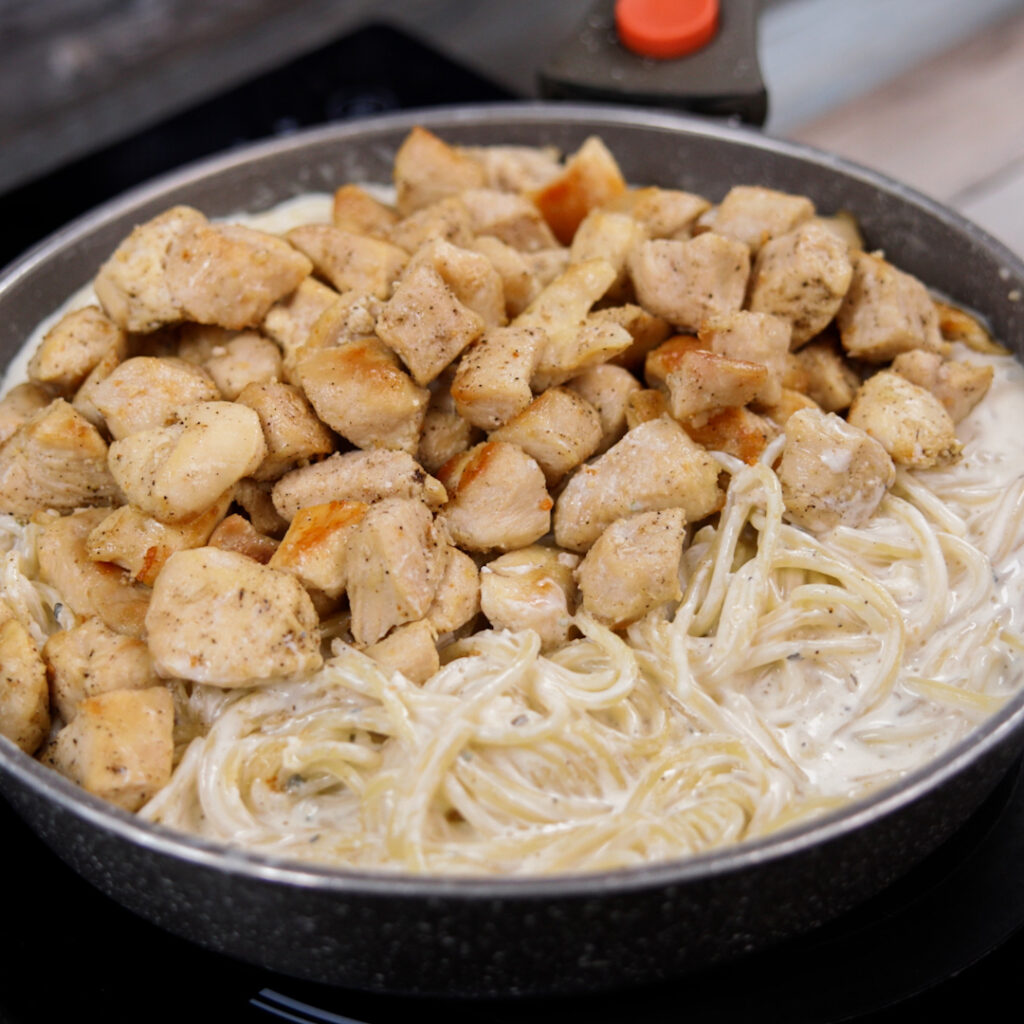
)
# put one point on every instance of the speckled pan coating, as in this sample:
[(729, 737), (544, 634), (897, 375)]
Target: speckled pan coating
[(507, 936)]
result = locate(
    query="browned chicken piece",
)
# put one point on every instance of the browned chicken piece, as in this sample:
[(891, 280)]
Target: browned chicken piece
[(832, 472), (254, 497), (290, 321), (755, 215), (801, 277), (654, 466), (687, 282), (908, 421), (515, 168), (607, 388), (667, 358), (368, 476), (132, 285), (604, 235), (469, 275), (394, 561), (175, 473), (348, 261), (590, 178), (82, 403), (532, 588), (957, 324), (427, 169), (19, 404), (356, 210), (663, 212), (790, 402), (547, 265), (120, 746), (87, 587), (446, 220), (359, 390), (141, 544), (497, 498), (597, 341), (24, 694), (230, 275), (55, 459), (633, 567), (492, 380), (508, 216), (457, 598), (313, 549), (845, 227), (206, 595), (291, 430), (559, 429), (236, 533), (426, 324), (886, 312), (91, 659), (645, 405), (737, 431), (519, 284), (820, 372), (350, 317), (958, 386), (756, 338), (445, 432), (72, 347), (410, 649), (705, 383), (247, 358), (145, 392), (647, 331)]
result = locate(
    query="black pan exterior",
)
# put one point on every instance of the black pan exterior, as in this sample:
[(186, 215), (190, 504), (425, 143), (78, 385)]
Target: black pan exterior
[(501, 937)]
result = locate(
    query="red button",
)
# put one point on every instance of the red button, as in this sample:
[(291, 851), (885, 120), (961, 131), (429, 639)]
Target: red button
[(666, 28)]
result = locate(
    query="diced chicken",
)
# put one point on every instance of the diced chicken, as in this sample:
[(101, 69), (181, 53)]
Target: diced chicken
[(91, 659), (790, 402), (410, 649), (497, 498), (736, 431), (604, 235), (532, 588), (55, 459), (72, 347), (87, 587), (291, 430), (667, 358), (289, 321), (236, 533), (351, 317), (141, 544), (508, 216), (646, 330), (469, 275), (175, 473), (755, 215), (687, 282), (845, 227), (655, 466), (445, 432), (254, 498), (19, 404), (645, 405), (207, 594), (559, 429), (597, 341), (348, 261), (82, 403), (359, 390), (492, 380), (132, 285), (633, 567), (457, 598), (607, 388), (832, 472), (590, 178), (705, 383), (663, 212), (909, 422), (394, 561), (144, 393), (820, 372), (446, 220), (754, 338), (24, 695), (958, 386), (957, 324), (313, 549), (427, 169), (518, 282), (801, 277), (886, 312), (248, 358), (230, 275), (120, 746), (356, 210), (547, 265), (515, 168)]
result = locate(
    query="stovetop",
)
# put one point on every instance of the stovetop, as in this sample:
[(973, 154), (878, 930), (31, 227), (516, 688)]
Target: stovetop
[(946, 938)]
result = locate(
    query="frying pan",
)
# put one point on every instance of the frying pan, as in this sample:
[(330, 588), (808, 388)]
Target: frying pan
[(506, 936)]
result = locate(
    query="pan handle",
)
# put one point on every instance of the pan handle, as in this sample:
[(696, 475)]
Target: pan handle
[(721, 77)]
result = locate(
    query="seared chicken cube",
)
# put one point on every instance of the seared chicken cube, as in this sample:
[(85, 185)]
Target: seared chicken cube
[(55, 459), (356, 210), (663, 212), (446, 220), (958, 386), (410, 649), (519, 284), (687, 282), (348, 261), (667, 358), (910, 422), (24, 695), (359, 390), (532, 588), (457, 598), (206, 595), (469, 275), (820, 372), (497, 498), (736, 431), (313, 549), (646, 330), (958, 325), (230, 275), (706, 383), (19, 404), (508, 216), (558, 428), (91, 659), (515, 168), (604, 235), (790, 402), (755, 215), (598, 340), (72, 347), (254, 497), (248, 358), (547, 264), (644, 405), (427, 169), (655, 466), (755, 338), (845, 227), (832, 472), (236, 533), (350, 317), (290, 321), (82, 403), (445, 432), (394, 560), (607, 388), (886, 312), (633, 567)]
